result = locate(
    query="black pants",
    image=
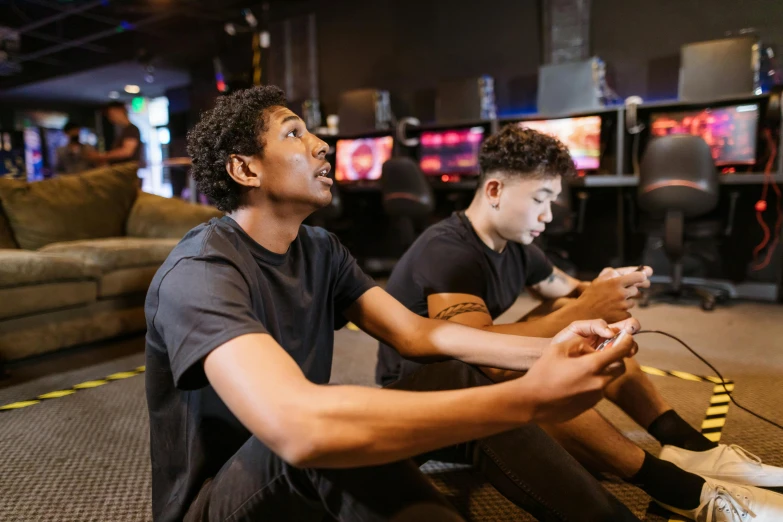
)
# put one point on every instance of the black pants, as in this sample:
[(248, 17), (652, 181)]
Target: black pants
[(525, 465)]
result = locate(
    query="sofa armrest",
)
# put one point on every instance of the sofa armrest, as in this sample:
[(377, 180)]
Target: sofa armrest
[(157, 217)]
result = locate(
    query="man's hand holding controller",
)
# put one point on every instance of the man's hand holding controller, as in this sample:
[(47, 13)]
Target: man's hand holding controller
[(610, 295), (571, 375)]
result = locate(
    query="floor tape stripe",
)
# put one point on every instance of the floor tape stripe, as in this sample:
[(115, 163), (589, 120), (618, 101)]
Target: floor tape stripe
[(87, 385)]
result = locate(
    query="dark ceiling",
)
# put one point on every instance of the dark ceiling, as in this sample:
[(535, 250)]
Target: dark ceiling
[(68, 36)]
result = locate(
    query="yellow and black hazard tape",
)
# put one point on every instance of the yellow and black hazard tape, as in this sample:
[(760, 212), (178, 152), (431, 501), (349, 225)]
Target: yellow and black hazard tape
[(681, 375), (715, 418), (716, 413), (73, 389)]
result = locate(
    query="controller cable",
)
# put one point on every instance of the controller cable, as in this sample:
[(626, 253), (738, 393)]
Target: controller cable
[(723, 381)]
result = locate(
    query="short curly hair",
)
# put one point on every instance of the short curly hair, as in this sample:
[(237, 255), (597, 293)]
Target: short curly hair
[(234, 126), (526, 153)]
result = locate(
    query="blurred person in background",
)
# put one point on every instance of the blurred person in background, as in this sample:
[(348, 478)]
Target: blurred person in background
[(74, 157), (127, 138)]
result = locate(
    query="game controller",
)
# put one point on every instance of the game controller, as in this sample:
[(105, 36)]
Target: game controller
[(607, 342)]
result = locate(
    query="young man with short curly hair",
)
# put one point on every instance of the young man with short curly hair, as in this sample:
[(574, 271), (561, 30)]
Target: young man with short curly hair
[(471, 267), (240, 327)]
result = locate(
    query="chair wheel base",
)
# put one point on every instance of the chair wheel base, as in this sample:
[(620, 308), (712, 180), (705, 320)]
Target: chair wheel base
[(708, 298)]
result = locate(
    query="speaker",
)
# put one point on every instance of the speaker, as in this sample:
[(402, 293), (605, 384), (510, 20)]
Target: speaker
[(719, 68), (364, 110), (470, 99)]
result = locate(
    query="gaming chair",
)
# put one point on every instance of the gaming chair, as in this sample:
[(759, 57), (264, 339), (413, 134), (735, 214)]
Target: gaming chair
[(407, 198), (678, 181)]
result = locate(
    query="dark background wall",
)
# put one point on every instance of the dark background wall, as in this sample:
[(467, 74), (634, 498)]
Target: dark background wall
[(407, 46), (640, 39)]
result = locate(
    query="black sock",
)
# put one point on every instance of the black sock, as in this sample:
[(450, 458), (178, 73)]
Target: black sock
[(669, 484), (671, 429)]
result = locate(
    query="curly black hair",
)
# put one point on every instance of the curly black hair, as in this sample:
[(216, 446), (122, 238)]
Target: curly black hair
[(234, 126), (526, 153)]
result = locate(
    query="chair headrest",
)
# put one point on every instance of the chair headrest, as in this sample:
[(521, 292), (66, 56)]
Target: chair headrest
[(678, 172), (405, 189)]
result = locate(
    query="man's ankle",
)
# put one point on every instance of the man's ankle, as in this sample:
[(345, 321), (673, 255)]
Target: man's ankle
[(669, 484), (671, 429)]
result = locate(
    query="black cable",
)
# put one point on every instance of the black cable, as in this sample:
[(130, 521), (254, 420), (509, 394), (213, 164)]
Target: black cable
[(723, 381)]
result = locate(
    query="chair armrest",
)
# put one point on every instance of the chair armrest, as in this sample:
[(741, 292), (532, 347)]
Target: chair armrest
[(157, 217)]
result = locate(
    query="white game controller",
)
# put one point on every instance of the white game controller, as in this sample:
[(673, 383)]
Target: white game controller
[(607, 342)]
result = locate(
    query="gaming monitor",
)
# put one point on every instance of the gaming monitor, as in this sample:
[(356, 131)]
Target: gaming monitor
[(729, 131), (582, 136), (361, 159), (450, 151)]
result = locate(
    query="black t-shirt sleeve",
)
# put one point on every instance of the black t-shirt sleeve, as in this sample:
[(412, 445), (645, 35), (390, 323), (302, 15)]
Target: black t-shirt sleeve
[(537, 265), (202, 304), (448, 265), (131, 131), (349, 281)]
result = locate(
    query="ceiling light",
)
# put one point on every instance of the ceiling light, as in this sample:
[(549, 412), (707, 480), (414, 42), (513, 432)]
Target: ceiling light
[(132, 89), (114, 95)]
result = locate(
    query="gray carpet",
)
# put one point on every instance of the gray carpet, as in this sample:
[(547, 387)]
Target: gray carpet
[(84, 457)]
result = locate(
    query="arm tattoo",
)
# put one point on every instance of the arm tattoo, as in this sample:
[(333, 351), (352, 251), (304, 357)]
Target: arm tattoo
[(459, 309)]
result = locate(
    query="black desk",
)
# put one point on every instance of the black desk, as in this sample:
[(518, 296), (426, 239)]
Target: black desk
[(756, 290), (630, 180)]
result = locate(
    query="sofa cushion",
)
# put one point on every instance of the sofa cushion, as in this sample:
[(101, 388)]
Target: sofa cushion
[(117, 252), (127, 281), (33, 299), (6, 236), (22, 268), (90, 205), (154, 216), (49, 331)]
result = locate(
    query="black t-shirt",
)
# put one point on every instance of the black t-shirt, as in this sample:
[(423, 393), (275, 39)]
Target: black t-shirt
[(218, 284), (129, 131), (449, 257)]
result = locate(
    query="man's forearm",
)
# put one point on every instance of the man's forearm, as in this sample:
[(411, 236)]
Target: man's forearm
[(117, 154), (439, 339), (357, 426), (547, 326)]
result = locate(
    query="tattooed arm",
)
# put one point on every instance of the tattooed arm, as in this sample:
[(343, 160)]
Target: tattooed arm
[(416, 337), (557, 285), (470, 310)]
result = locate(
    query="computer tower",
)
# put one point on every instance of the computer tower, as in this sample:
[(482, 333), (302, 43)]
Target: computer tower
[(569, 87), (719, 68), (364, 110), (470, 99)]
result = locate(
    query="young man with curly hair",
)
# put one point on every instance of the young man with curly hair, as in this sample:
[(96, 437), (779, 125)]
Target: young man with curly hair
[(471, 267), (240, 319)]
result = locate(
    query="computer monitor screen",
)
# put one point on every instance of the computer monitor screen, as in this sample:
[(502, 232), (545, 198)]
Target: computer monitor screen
[(729, 131), (451, 151), (582, 136), (361, 159)]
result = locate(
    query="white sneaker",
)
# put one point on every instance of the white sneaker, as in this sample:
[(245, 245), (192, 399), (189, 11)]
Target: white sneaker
[(725, 502), (731, 463)]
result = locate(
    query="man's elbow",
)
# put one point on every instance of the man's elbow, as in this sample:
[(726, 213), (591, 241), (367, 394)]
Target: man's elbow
[(301, 453)]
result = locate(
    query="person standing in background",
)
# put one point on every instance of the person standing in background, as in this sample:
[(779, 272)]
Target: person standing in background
[(127, 138), (75, 156)]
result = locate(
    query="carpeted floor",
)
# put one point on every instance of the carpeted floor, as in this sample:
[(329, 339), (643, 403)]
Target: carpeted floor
[(84, 457)]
